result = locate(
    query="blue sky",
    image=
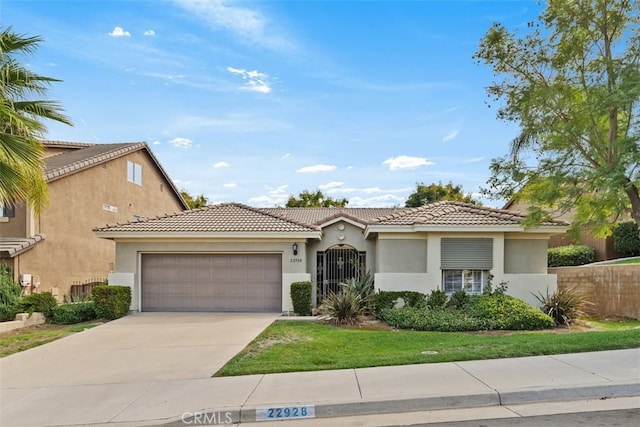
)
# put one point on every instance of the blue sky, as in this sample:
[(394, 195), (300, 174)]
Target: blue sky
[(254, 101)]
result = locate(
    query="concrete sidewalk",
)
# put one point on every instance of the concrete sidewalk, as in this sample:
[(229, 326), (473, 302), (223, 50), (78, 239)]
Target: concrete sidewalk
[(580, 376)]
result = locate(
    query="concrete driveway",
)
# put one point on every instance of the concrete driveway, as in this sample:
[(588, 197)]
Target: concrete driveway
[(137, 348)]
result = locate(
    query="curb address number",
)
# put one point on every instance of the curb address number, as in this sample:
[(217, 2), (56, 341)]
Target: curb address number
[(285, 413)]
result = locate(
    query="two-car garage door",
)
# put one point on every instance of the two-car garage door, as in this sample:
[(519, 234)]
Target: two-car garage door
[(212, 282)]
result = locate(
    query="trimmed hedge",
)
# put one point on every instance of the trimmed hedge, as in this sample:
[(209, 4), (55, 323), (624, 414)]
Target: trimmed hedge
[(565, 256), (75, 312), (112, 301), (436, 299), (626, 238), (301, 298), (388, 299), (481, 312), (43, 303)]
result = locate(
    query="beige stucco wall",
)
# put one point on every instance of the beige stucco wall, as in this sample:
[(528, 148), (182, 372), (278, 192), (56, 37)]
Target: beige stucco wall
[(16, 226), (525, 256), (406, 253), (294, 267), (614, 290), (71, 252), (519, 259)]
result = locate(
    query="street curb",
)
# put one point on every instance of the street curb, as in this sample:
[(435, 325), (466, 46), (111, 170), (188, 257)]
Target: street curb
[(247, 414)]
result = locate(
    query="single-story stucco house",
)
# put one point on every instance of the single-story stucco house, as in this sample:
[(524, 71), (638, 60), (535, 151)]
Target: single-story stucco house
[(232, 257)]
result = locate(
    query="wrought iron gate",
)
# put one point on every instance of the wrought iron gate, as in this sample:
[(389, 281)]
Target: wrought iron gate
[(337, 265)]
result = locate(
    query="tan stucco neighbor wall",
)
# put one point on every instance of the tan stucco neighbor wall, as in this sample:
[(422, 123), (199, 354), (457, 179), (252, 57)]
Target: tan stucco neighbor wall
[(614, 290), (71, 252), (294, 267)]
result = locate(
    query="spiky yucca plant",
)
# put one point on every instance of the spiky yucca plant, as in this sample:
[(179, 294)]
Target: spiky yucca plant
[(565, 305), (342, 308)]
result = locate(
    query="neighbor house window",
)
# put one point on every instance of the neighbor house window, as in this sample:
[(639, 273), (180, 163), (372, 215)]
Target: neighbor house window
[(470, 281), (465, 263), (7, 211), (134, 173)]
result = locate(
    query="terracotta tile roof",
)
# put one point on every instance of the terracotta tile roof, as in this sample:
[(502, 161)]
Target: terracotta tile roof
[(221, 218), (12, 246), (86, 156), (456, 213), (317, 216)]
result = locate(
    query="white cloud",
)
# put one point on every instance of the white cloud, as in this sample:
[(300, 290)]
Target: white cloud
[(276, 196), (349, 167), (229, 185), (156, 143), (406, 162), (451, 135), (330, 185), (242, 123), (119, 32), (150, 33), (255, 80), (381, 201), (250, 25), (286, 156), (474, 160), (181, 142), (221, 165), (317, 168)]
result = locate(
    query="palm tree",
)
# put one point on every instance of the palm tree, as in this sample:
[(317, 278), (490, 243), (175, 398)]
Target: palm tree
[(21, 127)]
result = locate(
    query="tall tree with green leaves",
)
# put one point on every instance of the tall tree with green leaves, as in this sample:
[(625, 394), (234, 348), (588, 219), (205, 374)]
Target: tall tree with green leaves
[(194, 202), (22, 112), (571, 80), (317, 199), (426, 194)]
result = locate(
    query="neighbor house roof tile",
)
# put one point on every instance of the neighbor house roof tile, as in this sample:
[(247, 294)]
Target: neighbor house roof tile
[(221, 218), (12, 246)]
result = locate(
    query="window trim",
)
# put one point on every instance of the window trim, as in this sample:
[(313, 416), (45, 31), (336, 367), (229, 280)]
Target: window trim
[(7, 210)]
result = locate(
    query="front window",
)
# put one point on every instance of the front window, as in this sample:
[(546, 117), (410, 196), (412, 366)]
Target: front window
[(7, 211), (470, 281)]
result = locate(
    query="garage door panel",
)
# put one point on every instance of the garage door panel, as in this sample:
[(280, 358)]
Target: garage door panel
[(212, 282)]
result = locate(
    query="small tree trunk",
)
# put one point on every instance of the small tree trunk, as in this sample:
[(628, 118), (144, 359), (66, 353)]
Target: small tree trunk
[(634, 196)]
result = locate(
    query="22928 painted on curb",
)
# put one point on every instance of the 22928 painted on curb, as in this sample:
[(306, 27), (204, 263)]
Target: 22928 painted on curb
[(285, 413)]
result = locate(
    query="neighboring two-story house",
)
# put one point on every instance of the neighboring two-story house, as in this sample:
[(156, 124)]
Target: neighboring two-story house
[(89, 184)]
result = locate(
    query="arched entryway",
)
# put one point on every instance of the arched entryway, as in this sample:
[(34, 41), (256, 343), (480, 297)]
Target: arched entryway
[(337, 265)]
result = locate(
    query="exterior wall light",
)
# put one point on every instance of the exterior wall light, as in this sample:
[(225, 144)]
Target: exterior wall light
[(295, 248)]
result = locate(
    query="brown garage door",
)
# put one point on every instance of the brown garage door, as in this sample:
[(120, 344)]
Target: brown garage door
[(208, 282)]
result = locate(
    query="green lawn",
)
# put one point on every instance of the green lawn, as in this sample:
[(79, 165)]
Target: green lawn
[(627, 261), (33, 336), (291, 346)]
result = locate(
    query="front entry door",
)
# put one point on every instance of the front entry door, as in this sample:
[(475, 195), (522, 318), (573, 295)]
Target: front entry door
[(337, 265)]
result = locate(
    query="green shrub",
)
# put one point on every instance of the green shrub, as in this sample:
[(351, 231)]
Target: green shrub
[(563, 306), (301, 298), (42, 303), (508, 313), (626, 238), (481, 312), (438, 319), (76, 312), (436, 299), (388, 299), (111, 302), (342, 308), (458, 300), (9, 294), (565, 256)]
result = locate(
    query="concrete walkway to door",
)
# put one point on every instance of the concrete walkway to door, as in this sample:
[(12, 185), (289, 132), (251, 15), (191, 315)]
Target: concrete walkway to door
[(91, 376)]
